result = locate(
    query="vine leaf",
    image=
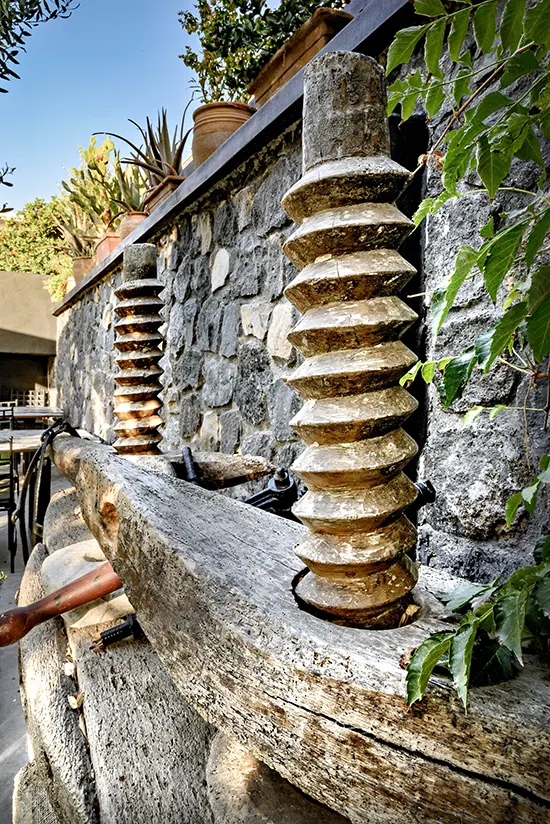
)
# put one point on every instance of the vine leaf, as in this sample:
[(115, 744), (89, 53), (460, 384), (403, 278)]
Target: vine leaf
[(460, 657), (485, 20), (493, 166), (434, 99), (433, 46), (403, 46), (459, 27), (456, 375), (511, 24), (536, 237), (471, 415), (538, 330), (429, 8), (542, 595), (512, 506), (510, 619), (501, 255), (428, 371), (518, 66), (503, 332), (422, 664), (537, 23), (492, 664), (465, 261)]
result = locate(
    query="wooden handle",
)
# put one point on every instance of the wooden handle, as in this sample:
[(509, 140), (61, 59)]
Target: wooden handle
[(16, 623)]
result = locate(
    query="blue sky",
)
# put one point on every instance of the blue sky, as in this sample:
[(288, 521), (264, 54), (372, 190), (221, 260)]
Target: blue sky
[(111, 60)]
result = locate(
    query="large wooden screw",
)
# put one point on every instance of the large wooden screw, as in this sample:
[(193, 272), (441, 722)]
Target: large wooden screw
[(138, 342), (349, 334)]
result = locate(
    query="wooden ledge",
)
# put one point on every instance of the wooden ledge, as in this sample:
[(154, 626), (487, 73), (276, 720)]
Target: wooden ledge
[(211, 581)]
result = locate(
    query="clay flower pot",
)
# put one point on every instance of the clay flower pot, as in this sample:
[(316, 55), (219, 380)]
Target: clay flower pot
[(296, 52), (81, 267), (214, 123), (106, 245), (161, 192), (130, 220)]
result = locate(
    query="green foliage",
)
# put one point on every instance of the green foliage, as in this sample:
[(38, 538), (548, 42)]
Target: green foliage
[(5, 171), (31, 241), (237, 38), (17, 20), (159, 154), (490, 125)]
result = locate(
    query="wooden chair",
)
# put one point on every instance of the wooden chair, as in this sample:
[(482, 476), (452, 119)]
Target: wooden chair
[(8, 489)]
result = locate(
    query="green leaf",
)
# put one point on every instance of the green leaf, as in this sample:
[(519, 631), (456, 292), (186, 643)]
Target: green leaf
[(512, 506), (495, 410), (529, 497), (492, 165), (428, 371), (411, 374), (530, 148), (429, 8), (433, 46), (537, 23), (490, 104), (485, 20), (488, 231), (423, 210), (471, 415), (465, 261), (459, 27), (461, 86), (434, 99), (511, 24), (510, 619), (518, 66), (542, 595), (539, 288), (437, 301), (502, 253), (503, 332), (403, 46), (462, 595), (541, 552), (456, 375), (409, 98), (460, 657), (536, 237), (482, 346), (538, 330), (422, 663), (492, 664)]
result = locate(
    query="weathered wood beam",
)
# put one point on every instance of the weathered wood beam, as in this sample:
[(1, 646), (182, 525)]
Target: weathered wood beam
[(322, 704)]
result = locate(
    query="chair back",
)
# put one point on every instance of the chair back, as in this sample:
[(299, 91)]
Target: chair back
[(6, 417)]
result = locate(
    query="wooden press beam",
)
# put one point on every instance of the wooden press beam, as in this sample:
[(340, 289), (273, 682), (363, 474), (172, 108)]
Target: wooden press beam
[(211, 581)]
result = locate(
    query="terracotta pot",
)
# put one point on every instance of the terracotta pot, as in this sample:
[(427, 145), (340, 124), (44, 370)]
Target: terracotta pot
[(161, 192), (130, 220), (296, 52), (214, 123), (81, 267), (106, 245)]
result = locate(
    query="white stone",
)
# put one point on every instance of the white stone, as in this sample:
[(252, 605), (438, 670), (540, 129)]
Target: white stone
[(65, 566), (282, 321), (255, 318), (220, 269), (209, 435)]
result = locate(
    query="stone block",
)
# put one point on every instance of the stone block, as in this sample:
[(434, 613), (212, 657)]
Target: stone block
[(229, 340), (258, 443), (219, 382), (208, 324), (283, 404), (209, 435), (230, 431), (190, 415), (187, 370), (200, 278), (245, 274), (267, 213), (253, 381), (255, 318), (219, 269), (181, 283), (225, 224), (282, 321)]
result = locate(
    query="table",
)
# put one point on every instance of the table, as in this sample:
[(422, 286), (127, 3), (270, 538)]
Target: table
[(36, 412), (24, 440)]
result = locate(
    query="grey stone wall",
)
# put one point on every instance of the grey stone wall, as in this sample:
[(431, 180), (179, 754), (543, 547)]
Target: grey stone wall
[(227, 355), (226, 321)]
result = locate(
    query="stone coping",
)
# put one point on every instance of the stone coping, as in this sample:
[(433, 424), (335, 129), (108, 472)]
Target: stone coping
[(369, 32)]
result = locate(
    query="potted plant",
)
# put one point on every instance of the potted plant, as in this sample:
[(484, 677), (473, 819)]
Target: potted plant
[(222, 111), (251, 40), (79, 234), (131, 197), (160, 157)]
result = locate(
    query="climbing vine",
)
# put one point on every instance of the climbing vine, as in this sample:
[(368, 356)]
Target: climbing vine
[(486, 72)]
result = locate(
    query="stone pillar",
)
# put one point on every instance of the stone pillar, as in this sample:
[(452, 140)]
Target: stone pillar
[(138, 342), (345, 246)]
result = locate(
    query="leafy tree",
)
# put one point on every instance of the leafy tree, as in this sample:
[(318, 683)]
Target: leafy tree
[(32, 241), (499, 115)]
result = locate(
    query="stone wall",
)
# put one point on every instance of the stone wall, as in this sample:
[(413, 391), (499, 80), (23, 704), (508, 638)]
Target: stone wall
[(227, 355)]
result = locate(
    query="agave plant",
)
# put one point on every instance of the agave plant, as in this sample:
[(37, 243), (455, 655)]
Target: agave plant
[(132, 187), (79, 232), (160, 154)]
